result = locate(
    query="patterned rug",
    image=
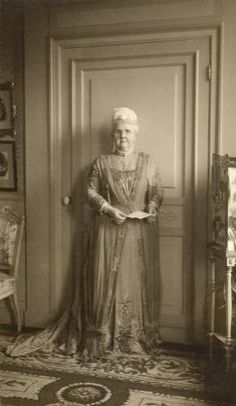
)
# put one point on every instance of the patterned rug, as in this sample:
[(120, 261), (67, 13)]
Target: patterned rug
[(169, 379)]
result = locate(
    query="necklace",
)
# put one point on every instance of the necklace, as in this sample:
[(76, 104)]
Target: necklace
[(124, 153), (125, 161)]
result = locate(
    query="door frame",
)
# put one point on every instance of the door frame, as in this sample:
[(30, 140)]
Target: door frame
[(214, 34)]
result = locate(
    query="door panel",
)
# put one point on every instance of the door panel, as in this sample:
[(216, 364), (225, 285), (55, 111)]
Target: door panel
[(165, 83)]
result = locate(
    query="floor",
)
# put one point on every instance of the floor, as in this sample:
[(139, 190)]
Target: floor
[(178, 376)]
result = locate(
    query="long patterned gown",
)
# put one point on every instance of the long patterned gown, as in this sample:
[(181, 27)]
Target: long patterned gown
[(116, 303)]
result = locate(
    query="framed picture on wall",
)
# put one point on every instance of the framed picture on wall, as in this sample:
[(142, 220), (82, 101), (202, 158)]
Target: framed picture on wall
[(7, 109), (8, 181)]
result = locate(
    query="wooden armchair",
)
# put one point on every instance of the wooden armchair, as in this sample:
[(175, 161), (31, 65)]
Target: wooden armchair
[(11, 237)]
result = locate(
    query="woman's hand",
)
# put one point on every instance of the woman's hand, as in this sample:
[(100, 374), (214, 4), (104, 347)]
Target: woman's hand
[(115, 214), (153, 211)]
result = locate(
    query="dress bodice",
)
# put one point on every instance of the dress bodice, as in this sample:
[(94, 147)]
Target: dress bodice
[(120, 162), (127, 182), (126, 179)]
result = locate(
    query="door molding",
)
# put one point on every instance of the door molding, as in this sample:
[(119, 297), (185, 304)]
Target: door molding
[(214, 34)]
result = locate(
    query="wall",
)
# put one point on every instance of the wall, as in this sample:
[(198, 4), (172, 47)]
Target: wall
[(12, 69), (228, 129), (37, 162), (162, 15)]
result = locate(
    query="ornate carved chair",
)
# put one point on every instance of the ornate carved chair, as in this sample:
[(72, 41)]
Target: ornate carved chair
[(11, 237)]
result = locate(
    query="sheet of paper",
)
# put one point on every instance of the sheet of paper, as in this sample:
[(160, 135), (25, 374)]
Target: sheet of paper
[(138, 215)]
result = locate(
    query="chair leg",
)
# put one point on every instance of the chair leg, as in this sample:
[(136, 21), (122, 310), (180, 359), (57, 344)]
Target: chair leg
[(17, 310)]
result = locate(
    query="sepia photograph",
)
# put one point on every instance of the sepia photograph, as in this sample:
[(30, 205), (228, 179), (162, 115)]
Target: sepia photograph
[(118, 202), (7, 166), (7, 109)]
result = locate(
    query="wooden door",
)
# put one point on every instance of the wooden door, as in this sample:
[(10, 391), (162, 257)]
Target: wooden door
[(163, 78)]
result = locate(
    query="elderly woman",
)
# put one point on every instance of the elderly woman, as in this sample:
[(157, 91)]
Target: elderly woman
[(116, 305), (123, 272)]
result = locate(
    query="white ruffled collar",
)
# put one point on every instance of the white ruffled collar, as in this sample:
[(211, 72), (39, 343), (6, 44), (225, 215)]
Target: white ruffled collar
[(124, 154)]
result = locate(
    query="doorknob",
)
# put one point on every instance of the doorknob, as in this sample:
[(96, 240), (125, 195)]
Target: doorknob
[(66, 200)]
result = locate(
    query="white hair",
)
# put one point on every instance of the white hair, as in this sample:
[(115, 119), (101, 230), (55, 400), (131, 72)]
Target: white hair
[(125, 115)]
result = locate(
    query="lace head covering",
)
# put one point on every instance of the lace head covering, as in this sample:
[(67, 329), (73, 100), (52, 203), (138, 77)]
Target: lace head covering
[(124, 114)]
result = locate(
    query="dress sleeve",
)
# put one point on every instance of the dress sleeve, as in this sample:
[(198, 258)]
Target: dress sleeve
[(155, 188), (94, 187)]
